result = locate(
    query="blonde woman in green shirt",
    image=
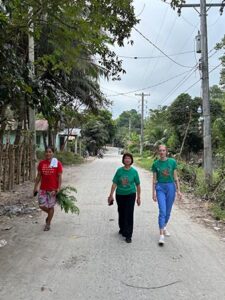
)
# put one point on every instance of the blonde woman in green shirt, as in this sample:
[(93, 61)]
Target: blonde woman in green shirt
[(126, 182), (165, 187)]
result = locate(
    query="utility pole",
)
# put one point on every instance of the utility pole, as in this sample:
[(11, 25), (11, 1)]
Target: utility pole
[(129, 127), (205, 82), (32, 110), (142, 120)]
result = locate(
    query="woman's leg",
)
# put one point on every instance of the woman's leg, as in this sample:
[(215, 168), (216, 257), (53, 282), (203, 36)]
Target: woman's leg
[(50, 215), (161, 198), (170, 197), (46, 209), (121, 209), (129, 215)]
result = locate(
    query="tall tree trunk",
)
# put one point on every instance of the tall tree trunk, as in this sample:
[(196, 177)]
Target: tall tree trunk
[(49, 135), (44, 139), (21, 120), (3, 122)]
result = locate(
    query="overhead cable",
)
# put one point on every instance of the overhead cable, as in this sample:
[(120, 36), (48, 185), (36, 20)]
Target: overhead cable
[(166, 55)]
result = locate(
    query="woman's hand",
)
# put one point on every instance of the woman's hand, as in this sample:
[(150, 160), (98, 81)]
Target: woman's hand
[(54, 193), (179, 195), (138, 200), (154, 198), (110, 200), (35, 192)]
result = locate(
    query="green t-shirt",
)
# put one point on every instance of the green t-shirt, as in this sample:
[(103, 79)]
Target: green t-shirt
[(164, 169), (126, 181)]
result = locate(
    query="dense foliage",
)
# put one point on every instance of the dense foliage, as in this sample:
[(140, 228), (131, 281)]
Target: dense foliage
[(73, 42)]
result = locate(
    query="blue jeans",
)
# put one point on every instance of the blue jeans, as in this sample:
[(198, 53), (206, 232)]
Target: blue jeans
[(165, 193)]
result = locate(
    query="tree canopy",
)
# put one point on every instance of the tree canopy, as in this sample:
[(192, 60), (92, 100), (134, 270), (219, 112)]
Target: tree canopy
[(73, 42)]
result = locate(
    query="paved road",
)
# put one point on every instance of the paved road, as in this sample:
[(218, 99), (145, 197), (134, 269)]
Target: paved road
[(84, 258)]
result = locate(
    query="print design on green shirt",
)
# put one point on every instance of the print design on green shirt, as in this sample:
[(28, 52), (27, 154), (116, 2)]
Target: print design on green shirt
[(165, 172), (125, 181)]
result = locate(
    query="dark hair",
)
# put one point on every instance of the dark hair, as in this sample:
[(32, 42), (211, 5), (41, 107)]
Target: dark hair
[(51, 148), (129, 155)]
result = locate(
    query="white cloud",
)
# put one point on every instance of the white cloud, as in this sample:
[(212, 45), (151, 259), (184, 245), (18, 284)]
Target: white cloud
[(172, 34)]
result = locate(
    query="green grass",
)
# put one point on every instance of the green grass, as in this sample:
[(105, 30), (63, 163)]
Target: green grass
[(144, 162), (218, 212), (66, 158)]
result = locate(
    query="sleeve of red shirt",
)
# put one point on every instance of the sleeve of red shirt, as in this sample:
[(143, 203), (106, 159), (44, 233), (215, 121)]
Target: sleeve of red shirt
[(60, 167)]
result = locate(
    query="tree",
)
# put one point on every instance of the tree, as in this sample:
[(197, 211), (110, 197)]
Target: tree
[(221, 45), (216, 93), (157, 127), (175, 3), (130, 119), (127, 123), (183, 117), (95, 135), (98, 130), (73, 42)]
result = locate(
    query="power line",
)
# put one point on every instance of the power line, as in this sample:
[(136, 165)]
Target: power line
[(147, 39), (200, 78), (179, 84), (152, 57), (148, 87), (163, 19)]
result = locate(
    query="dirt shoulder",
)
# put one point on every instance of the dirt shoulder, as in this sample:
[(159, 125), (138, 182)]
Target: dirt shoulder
[(199, 211)]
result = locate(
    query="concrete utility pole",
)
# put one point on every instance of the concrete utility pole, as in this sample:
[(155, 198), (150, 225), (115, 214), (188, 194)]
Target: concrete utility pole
[(142, 120), (205, 83)]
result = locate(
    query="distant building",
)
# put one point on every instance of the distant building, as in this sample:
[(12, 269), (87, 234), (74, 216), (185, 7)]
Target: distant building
[(62, 139)]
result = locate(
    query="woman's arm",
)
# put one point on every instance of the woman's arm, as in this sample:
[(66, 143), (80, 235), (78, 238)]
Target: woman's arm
[(110, 198), (60, 182), (138, 194), (154, 180), (37, 181), (177, 184)]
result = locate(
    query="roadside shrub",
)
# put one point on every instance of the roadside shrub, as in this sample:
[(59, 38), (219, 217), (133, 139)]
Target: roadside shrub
[(218, 213), (187, 173), (66, 158)]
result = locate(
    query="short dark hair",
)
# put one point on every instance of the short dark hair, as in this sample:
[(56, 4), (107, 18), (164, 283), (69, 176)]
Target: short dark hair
[(51, 148), (129, 155)]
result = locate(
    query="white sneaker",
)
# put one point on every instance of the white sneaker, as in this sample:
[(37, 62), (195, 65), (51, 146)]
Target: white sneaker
[(166, 232), (161, 240)]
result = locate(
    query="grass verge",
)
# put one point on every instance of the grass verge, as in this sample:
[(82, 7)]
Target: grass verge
[(66, 158), (144, 162), (218, 212)]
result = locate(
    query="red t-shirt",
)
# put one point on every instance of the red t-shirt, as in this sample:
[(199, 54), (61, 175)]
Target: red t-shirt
[(49, 176)]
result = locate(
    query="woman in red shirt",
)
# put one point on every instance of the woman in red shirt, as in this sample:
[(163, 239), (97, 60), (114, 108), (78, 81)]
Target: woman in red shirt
[(50, 179)]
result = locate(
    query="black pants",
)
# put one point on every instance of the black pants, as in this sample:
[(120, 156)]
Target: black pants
[(126, 213)]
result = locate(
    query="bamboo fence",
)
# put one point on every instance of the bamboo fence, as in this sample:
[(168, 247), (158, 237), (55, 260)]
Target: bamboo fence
[(16, 165)]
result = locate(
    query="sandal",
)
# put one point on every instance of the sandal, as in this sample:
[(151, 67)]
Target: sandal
[(47, 227)]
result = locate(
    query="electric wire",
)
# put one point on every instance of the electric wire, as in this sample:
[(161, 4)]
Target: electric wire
[(147, 39), (180, 83), (152, 57), (148, 87), (157, 39)]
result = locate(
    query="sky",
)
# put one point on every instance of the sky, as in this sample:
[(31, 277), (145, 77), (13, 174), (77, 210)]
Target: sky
[(158, 76)]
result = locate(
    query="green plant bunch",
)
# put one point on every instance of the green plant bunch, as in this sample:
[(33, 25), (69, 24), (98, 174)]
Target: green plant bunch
[(67, 201)]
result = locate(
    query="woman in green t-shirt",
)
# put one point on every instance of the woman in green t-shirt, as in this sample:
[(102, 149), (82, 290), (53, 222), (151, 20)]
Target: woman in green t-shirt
[(165, 187), (126, 182)]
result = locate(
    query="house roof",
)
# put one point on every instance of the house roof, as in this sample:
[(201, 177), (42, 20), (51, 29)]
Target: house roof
[(41, 125), (72, 132)]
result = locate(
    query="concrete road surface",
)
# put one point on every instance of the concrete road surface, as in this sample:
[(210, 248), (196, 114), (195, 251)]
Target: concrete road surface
[(84, 258)]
